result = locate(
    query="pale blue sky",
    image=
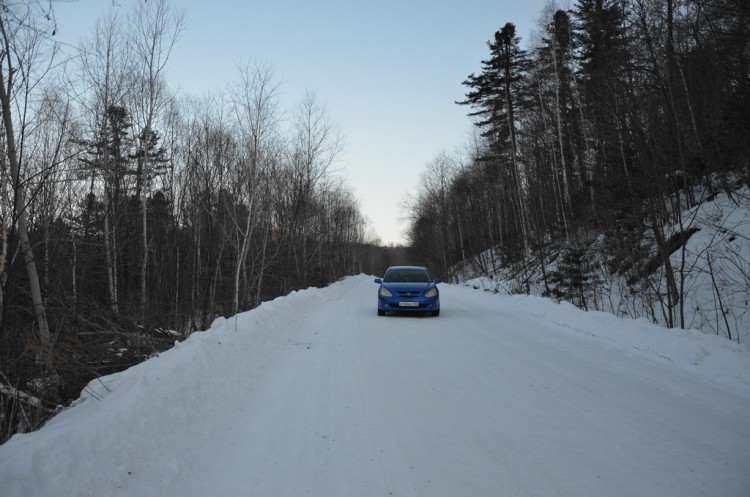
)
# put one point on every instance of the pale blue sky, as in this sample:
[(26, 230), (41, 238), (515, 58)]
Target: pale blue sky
[(388, 72)]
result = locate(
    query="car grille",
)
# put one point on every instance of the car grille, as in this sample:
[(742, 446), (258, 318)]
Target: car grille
[(408, 294)]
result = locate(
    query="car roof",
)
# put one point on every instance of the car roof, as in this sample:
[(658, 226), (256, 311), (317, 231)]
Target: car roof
[(406, 267)]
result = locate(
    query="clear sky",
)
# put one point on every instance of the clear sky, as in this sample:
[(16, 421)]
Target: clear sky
[(388, 72)]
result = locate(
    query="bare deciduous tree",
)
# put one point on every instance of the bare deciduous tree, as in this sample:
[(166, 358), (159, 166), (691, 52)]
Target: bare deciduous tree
[(23, 64), (154, 29)]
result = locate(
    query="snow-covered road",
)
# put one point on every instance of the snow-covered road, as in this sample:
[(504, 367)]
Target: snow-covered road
[(314, 394)]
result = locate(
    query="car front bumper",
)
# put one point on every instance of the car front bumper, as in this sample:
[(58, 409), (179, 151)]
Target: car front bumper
[(401, 304)]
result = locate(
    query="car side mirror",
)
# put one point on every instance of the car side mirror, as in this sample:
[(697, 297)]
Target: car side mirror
[(378, 281), (438, 280)]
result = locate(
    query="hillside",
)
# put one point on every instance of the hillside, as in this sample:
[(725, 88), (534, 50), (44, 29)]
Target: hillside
[(711, 261)]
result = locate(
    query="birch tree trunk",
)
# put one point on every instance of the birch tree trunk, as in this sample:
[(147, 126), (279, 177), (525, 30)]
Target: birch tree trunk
[(256, 109), (6, 94), (155, 29), (109, 251), (249, 225)]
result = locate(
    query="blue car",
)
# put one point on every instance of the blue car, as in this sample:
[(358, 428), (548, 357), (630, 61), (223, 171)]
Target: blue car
[(408, 289)]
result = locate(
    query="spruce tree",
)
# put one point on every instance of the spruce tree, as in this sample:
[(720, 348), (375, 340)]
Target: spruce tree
[(496, 95), (497, 91), (603, 59)]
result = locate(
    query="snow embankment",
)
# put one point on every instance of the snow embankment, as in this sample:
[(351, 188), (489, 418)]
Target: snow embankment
[(711, 357), (170, 406)]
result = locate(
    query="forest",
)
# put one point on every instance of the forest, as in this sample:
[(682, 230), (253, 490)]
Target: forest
[(590, 147), (131, 217)]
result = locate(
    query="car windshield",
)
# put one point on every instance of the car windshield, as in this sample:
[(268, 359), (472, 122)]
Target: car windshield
[(407, 276)]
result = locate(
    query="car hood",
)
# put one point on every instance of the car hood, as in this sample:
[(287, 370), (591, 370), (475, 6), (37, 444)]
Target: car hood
[(409, 287)]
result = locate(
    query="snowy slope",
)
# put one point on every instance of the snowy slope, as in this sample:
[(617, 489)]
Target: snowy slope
[(712, 272), (313, 394)]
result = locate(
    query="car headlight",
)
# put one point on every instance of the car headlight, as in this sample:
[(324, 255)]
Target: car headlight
[(432, 293), (384, 292)]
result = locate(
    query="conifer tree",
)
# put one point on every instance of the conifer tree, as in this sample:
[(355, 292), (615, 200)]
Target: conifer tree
[(497, 91), (557, 106), (601, 38), (496, 95), (107, 156)]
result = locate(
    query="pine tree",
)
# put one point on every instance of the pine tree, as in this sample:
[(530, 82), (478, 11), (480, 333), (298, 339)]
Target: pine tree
[(108, 158), (496, 93), (601, 38), (558, 106)]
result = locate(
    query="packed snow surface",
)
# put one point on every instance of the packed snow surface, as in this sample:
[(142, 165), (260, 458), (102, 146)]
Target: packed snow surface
[(314, 394)]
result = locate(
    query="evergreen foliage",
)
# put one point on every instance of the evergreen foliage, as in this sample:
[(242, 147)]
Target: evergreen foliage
[(622, 118)]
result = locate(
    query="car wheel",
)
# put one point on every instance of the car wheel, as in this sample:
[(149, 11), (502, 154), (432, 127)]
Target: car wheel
[(436, 313), (381, 312)]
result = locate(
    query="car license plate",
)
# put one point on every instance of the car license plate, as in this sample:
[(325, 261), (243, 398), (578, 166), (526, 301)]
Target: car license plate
[(408, 304)]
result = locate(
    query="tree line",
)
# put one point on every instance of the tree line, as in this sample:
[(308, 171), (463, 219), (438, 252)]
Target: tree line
[(132, 217), (590, 145)]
